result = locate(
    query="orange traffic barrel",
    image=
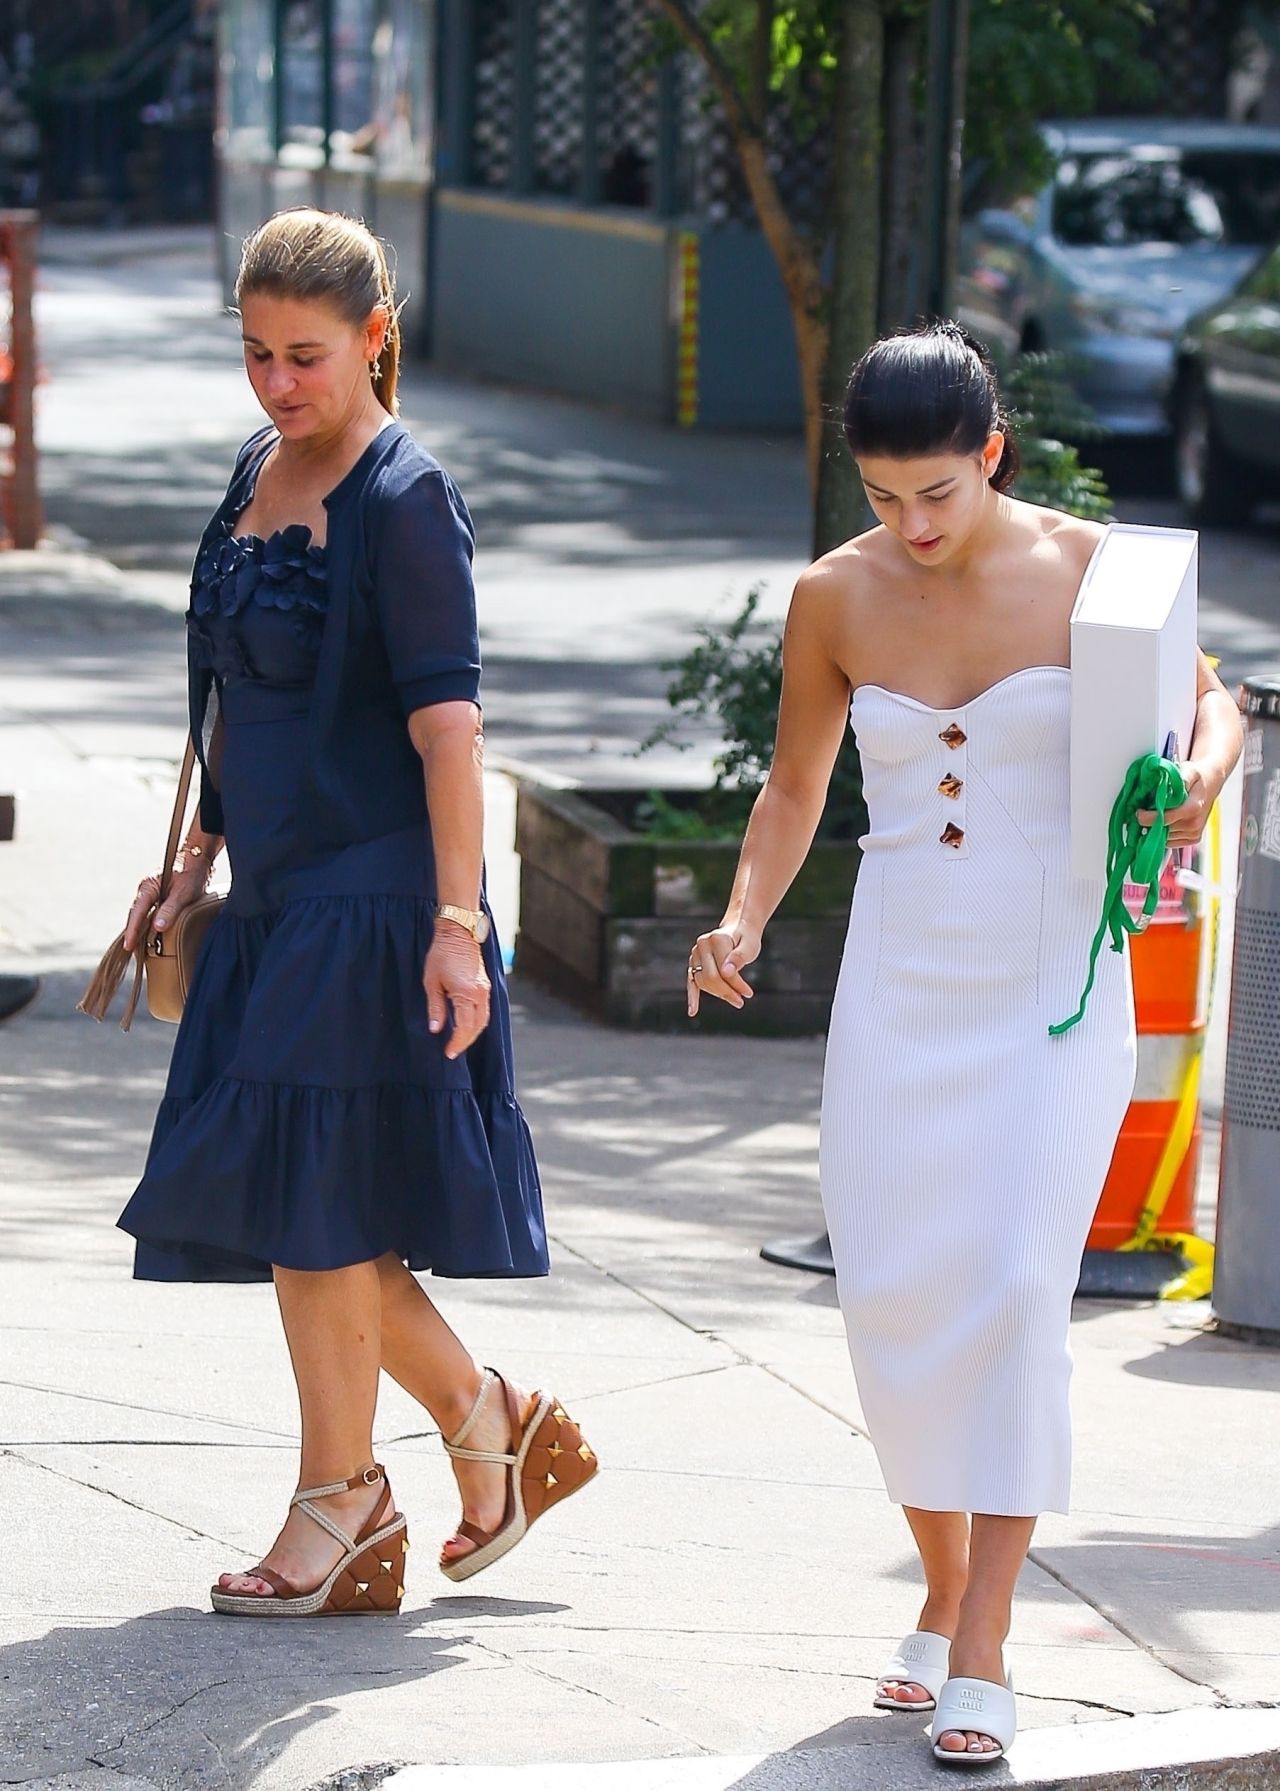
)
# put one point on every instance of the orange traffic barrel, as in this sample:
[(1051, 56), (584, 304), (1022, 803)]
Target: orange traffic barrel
[(1168, 962)]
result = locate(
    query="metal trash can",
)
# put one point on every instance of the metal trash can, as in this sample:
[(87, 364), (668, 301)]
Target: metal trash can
[(1246, 1280)]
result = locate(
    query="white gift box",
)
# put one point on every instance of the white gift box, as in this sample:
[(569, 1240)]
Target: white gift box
[(1133, 671)]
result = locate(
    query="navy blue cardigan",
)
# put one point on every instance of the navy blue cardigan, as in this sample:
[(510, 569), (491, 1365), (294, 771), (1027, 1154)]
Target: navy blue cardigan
[(399, 634)]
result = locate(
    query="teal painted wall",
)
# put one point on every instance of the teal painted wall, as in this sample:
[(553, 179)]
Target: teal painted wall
[(748, 374), (550, 295), (585, 301)]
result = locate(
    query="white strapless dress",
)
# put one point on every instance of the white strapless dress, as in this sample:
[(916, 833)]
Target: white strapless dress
[(963, 1148)]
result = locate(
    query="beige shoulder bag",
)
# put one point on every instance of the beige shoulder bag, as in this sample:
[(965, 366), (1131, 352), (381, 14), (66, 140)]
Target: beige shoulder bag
[(168, 959)]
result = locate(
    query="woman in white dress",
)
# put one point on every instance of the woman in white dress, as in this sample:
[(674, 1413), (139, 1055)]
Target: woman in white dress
[(963, 1149)]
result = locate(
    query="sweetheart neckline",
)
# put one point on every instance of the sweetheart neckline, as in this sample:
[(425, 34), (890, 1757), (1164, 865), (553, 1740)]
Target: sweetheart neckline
[(902, 696)]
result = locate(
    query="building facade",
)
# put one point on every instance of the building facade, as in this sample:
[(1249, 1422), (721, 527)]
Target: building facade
[(561, 194)]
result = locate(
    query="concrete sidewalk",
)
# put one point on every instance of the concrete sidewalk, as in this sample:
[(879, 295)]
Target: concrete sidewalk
[(713, 1611)]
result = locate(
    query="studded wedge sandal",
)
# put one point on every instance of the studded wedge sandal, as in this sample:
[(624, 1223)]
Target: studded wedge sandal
[(367, 1581), (549, 1459)]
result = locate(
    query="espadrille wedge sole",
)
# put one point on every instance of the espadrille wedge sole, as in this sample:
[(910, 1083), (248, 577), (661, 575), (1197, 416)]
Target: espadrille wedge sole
[(550, 1460), (367, 1581)]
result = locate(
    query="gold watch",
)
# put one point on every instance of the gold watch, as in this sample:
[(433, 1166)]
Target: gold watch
[(475, 920)]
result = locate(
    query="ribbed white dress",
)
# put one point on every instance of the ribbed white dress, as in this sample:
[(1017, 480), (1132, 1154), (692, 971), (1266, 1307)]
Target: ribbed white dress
[(963, 1149)]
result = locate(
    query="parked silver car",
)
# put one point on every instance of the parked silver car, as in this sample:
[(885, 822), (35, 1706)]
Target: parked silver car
[(1145, 223)]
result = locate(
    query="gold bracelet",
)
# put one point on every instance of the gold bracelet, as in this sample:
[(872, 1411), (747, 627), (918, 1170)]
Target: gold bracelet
[(188, 850)]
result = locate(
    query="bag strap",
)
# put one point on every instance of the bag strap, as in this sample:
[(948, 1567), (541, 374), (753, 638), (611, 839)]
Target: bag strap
[(110, 973), (179, 816)]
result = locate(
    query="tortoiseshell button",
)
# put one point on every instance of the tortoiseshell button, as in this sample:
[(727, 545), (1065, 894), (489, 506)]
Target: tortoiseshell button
[(953, 736), (951, 835), (950, 786)]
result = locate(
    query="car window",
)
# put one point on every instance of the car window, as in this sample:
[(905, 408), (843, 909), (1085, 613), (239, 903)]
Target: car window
[(1165, 195)]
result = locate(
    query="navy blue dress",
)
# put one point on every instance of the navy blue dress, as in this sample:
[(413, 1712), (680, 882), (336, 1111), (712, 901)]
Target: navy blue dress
[(311, 1119)]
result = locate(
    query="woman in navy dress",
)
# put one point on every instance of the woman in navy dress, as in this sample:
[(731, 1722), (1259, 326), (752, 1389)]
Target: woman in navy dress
[(340, 1105)]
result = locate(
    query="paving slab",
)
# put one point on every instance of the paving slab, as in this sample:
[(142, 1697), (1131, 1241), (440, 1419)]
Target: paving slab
[(99, 1779)]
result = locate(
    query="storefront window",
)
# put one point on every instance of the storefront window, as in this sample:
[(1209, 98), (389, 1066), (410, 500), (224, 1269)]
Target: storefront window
[(247, 59), (302, 77), (402, 89)]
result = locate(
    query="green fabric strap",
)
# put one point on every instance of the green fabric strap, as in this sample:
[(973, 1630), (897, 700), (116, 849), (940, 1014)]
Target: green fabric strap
[(1135, 854)]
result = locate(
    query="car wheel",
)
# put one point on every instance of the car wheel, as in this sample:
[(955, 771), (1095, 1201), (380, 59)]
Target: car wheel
[(1213, 484)]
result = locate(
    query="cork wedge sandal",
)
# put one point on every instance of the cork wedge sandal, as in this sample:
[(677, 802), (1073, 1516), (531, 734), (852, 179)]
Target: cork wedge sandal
[(549, 1460), (367, 1581)]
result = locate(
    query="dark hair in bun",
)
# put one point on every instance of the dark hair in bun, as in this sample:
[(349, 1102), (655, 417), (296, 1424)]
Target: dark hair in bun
[(928, 391)]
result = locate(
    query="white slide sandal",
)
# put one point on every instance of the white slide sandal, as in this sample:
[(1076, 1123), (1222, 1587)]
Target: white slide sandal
[(980, 1707), (920, 1660)]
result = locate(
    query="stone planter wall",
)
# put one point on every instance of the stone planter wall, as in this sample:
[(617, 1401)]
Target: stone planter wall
[(607, 917)]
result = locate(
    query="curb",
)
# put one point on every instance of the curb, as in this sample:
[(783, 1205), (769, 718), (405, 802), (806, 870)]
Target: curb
[(1187, 1750), (91, 245)]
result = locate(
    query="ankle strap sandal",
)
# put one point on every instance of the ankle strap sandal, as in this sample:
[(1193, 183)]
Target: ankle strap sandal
[(549, 1459), (368, 1579)]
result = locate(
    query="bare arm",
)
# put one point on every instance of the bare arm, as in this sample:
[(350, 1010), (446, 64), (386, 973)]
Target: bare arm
[(1215, 747), (449, 739), (811, 722)]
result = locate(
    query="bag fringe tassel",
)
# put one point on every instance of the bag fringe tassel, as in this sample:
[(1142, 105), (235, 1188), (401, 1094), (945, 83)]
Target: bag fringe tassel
[(107, 978)]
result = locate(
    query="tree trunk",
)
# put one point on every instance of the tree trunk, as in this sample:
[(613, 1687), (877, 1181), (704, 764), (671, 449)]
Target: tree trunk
[(855, 286), (900, 301), (802, 278)]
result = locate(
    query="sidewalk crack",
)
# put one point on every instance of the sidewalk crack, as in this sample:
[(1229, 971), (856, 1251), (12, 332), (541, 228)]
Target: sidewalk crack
[(106, 1492), (1131, 1635), (563, 1680), (154, 1722), (129, 1405)]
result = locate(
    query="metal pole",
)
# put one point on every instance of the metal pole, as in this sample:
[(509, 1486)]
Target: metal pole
[(948, 65), (523, 157), (328, 71), (666, 174), (278, 78), (589, 171)]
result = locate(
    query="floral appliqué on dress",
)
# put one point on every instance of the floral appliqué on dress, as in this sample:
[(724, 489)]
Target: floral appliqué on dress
[(285, 573)]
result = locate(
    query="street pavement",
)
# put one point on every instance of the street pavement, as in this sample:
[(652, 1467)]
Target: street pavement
[(713, 1610)]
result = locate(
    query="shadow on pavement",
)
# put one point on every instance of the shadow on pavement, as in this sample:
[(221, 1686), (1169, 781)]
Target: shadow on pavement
[(189, 1697), (1202, 1359), (1133, 1577), (891, 1751)]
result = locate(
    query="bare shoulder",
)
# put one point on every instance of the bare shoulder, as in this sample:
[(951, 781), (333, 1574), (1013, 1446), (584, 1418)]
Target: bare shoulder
[(1068, 541), (840, 585)]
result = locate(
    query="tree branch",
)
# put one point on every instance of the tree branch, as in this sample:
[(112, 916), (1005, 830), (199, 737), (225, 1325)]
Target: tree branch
[(797, 259), (762, 60), (690, 27)]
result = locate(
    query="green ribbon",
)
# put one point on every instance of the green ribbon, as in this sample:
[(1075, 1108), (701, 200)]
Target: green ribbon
[(1135, 854)]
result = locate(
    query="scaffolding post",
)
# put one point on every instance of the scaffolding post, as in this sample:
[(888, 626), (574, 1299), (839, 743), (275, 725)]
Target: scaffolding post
[(18, 233)]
